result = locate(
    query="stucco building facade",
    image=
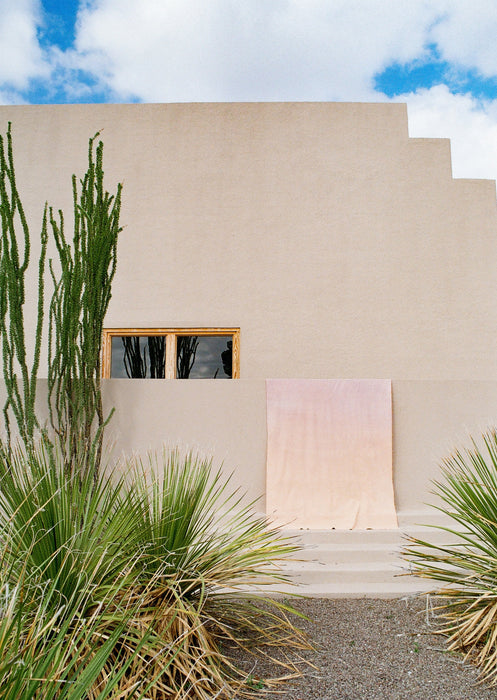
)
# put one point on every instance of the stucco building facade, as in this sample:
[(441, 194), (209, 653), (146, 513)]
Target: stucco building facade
[(319, 238)]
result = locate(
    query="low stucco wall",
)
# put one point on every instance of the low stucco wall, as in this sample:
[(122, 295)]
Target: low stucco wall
[(430, 420), (222, 419), (227, 420)]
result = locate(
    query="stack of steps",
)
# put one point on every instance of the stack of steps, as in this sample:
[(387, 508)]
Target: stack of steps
[(360, 563)]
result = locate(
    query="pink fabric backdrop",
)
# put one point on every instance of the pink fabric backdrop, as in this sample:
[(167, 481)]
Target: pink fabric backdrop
[(329, 453)]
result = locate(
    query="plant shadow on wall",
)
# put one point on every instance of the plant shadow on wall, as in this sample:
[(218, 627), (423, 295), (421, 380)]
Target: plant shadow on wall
[(112, 587), (466, 570)]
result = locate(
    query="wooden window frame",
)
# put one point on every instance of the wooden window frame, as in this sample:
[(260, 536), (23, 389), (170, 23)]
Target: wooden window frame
[(171, 335)]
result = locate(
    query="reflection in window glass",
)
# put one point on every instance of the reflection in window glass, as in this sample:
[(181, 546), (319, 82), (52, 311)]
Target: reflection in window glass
[(204, 357), (138, 357)]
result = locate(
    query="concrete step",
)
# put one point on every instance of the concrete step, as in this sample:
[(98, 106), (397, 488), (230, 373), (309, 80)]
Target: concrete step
[(366, 545), (377, 572), (354, 589), (344, 537), (356, 563), (342, 553)]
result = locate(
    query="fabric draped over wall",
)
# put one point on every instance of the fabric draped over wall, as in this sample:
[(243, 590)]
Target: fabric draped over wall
[(329, 453)]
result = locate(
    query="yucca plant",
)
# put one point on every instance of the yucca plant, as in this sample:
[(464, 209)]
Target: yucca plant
[(57, 648), (81, 604), (59, 526), (466, 569), (139, 575), (46, 655), (217, 556)]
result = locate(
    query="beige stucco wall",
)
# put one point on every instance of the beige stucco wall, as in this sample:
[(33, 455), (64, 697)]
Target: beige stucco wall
[(219, 419), (430, 420), (338, 245)]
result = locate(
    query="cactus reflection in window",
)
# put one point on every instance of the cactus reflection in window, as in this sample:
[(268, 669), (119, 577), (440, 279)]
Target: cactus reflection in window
[(171, 353)]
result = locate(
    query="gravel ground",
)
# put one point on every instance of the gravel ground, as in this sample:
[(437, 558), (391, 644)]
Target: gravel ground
[(378, 649)]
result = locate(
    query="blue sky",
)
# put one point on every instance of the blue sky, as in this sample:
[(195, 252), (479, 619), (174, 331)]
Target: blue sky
[(401, 78), (438, 56), (60, 20)]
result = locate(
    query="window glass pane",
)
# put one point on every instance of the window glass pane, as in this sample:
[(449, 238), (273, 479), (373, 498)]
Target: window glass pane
[(138, 357), (204, 356)]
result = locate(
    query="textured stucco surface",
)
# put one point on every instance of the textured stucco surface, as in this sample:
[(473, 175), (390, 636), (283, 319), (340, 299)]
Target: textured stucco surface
[(338, 245)]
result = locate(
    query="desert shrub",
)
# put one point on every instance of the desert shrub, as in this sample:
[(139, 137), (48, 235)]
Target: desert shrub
[(120, 586), (67, 613), (466, 569)]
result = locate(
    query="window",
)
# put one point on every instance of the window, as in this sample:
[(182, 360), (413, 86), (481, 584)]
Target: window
[(171, 353)]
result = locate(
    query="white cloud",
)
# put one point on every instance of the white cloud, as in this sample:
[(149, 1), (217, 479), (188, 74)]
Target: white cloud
[(470, 124), (466, 34), (21, 57), (167, 50)]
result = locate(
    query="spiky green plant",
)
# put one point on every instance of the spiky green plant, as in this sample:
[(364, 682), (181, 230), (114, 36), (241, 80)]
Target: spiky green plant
[(82, 291), (49, 654), (172, 546), (58, 526), (220, 556), (61, 642), (82, 281), (466, 569), (19, 372)]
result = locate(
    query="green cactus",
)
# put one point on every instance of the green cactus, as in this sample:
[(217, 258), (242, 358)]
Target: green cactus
[(20, 380), (82, 291), (82, 278)]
